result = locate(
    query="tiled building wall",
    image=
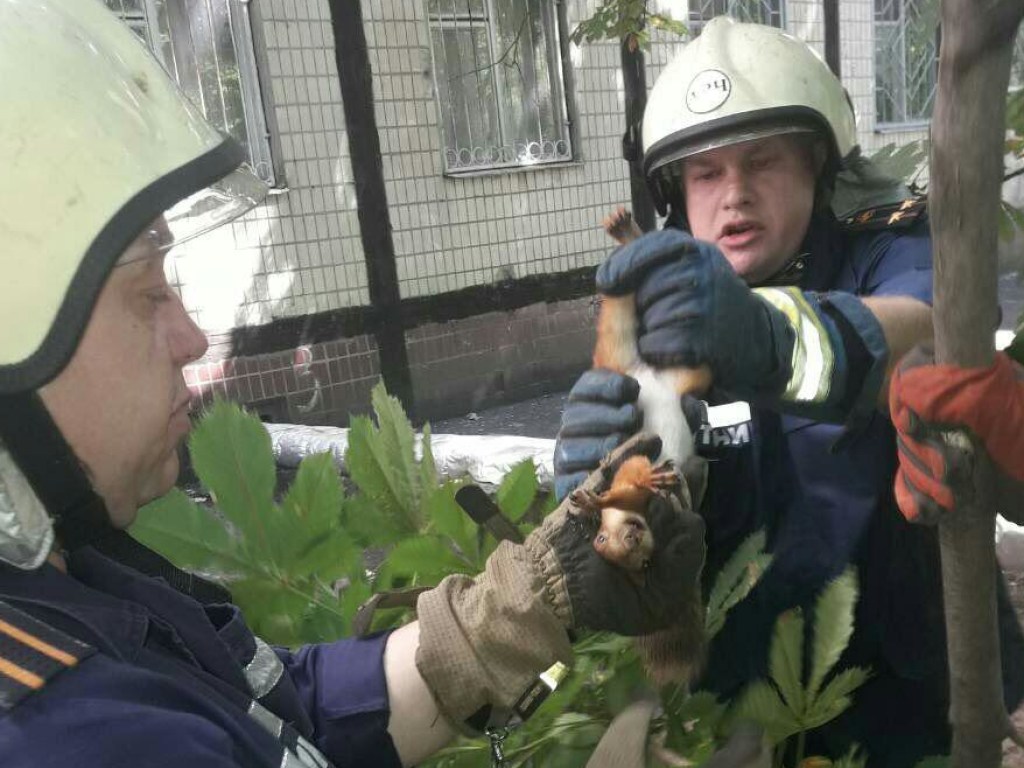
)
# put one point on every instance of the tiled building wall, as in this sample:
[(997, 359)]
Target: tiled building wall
[(300, 252), (857, 60), (806, 19), (454, 232), (310, 384), (501, 356)]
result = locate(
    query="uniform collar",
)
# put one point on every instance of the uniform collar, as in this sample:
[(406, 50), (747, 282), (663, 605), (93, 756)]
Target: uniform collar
[(825, 244), (819, 260), (116, 627)]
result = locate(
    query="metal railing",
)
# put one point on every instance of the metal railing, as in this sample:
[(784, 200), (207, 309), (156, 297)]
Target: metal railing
[(906, 47), (207, 46), (771, 12), (498, 78)]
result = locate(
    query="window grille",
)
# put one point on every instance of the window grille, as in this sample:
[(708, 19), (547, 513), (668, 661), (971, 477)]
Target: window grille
[(771, 12), (1017, 65), (207, 46), (498, 77), (906, 47)]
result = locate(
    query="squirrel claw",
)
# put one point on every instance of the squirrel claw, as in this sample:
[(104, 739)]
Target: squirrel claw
[(664, 479), (587, 503)]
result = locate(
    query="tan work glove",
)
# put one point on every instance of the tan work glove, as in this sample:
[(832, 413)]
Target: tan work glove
[(485, 641)]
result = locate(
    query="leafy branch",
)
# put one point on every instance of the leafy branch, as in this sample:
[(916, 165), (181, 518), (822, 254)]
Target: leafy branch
[(784, 704), (628, 21), (301, 565)]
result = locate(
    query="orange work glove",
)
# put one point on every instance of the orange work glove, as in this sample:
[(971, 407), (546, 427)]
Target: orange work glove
[(945, 416)]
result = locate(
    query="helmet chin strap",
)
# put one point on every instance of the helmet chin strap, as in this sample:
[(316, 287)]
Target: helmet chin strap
[(80, 516), (790, 273), (52, 469)]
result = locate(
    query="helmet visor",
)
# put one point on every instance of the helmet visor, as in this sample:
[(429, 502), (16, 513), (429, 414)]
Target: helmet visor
[(709, 140), (219, 203)]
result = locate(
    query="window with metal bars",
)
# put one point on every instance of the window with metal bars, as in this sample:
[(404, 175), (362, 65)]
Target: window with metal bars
[(906, 49), (498, 78), (771, 12), (207, 47)]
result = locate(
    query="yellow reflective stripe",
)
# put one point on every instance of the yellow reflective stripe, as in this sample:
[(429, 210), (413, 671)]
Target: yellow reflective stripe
[(553, 676), (22, 675), (813, 361), (34, 642)]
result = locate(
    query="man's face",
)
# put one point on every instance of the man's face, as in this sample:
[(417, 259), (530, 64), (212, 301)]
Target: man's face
[(121, 403), (753, 200)]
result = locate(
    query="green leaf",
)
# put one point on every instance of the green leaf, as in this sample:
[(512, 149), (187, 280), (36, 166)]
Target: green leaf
[(1006, 229), (315, 543), (273, 613), (852, 759), (328, 557), (903, 161), (518, 489), (735, 580), (835, 697), (786, 659), (383, 502), (426, 557), (935, 761), (1015, 112), (232, 455), (760, 703), (190, 536), (448, 519), (315, 496), (668, 24), (318, 625), (701, 705), (428, 469), (833, 626), (365, 520), (574, 729), (398, 442)]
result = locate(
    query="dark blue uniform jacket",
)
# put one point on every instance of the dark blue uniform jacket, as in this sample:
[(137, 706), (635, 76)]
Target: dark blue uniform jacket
[(826, 506), (167, 685)]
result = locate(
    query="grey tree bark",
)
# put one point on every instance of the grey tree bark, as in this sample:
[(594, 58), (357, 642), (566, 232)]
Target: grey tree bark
[(966, 174)]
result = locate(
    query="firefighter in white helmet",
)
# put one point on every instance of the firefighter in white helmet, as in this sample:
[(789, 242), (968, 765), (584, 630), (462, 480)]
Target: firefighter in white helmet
[(799, 274), (101, 664)]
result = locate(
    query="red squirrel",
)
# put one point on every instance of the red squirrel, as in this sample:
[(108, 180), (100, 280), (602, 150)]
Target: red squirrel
[(624, 537)]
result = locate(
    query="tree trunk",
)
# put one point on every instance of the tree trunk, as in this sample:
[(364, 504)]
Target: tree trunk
[(966, 175)]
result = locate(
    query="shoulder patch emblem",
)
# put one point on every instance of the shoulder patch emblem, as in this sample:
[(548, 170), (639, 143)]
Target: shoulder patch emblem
[(897, 215), (31, 653)]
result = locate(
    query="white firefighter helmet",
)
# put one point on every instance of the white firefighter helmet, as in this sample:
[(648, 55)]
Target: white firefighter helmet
[(738, 82), (97, 143)]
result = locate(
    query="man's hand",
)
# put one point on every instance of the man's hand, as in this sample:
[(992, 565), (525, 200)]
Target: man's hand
[(958, 429), (603, 596), (695, 309), (819, 355), (485, 640), (600, 415)]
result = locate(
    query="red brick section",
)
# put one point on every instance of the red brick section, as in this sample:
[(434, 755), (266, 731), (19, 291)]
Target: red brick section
[(456, 367)]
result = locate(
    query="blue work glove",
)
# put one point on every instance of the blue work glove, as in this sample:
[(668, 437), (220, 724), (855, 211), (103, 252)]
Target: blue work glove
[(600, 415), (695, 309)]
